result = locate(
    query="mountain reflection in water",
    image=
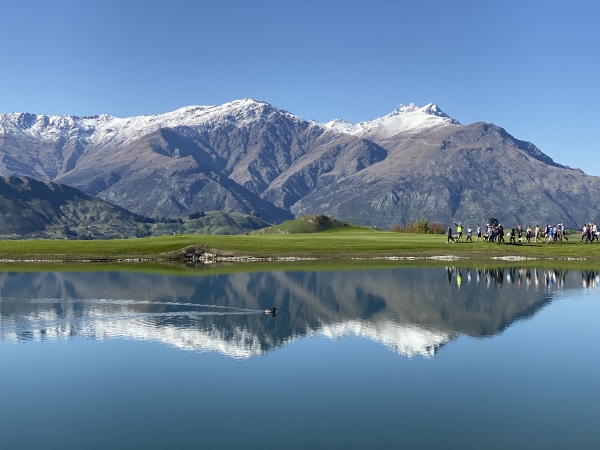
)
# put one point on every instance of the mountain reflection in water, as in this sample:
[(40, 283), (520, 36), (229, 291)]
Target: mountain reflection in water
[(412, 311)]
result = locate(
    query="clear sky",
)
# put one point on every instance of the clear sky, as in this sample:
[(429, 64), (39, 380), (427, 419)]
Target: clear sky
[(531, 67)]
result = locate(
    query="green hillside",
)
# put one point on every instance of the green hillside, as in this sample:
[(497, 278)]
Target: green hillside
[(314, 223), (209, 222)]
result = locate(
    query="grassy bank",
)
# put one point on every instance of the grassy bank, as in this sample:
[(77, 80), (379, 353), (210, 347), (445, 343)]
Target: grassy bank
[(340, 243)]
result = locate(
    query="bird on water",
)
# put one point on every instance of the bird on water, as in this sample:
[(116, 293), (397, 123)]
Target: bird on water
[(271, 311)]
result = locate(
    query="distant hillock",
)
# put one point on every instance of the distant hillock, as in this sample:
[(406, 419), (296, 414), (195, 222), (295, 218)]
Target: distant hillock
[(314, 223)]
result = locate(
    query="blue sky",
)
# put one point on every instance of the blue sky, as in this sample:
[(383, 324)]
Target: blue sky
[(531, 67)]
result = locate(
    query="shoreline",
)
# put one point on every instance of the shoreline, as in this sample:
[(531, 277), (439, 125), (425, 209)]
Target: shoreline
[(212, 259)]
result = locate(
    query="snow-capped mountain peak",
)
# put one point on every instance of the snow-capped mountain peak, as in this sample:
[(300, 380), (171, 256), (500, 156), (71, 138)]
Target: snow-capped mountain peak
[(404, 119), (430, 108), (406, 109), (341, 125)]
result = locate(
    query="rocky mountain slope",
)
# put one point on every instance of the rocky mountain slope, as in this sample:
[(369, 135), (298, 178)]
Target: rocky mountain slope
[(251, 157), (31, 208), (34, 208)]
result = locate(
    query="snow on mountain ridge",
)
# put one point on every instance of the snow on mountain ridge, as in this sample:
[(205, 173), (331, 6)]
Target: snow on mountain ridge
[(341, 125), (109, 130), (104, 129), (405, 118)]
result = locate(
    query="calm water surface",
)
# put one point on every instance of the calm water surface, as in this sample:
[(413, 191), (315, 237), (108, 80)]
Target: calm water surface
[(386, 358)]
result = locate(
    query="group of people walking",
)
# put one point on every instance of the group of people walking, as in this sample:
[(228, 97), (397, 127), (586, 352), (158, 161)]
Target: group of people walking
[(495, 233), (490, 234), (589, 232)]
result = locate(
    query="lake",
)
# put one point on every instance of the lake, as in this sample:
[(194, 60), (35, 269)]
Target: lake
[(366, 357)]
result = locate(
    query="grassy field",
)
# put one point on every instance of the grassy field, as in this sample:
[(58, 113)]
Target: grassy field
[(340, 243)]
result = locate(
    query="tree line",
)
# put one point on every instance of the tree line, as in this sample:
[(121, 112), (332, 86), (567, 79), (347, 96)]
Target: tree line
[(420, 226)]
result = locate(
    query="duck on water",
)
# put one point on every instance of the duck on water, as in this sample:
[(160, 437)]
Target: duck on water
[(271, 311)]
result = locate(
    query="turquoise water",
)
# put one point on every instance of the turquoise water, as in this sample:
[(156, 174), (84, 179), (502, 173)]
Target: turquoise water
[(389, 358)]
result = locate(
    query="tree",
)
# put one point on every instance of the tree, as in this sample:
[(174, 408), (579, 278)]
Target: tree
[(493, 221), (421, 226)]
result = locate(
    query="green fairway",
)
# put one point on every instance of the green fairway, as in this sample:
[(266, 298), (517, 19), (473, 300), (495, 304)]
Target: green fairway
[(342, 243)]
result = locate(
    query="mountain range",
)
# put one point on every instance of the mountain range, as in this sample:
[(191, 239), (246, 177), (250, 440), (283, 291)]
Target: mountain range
[(251, 157)]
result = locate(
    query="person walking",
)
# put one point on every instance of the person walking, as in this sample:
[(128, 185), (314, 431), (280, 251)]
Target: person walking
[(450, 237), (500, 233), (549, 234), (459, 230), (588, 234), (469, 234)]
